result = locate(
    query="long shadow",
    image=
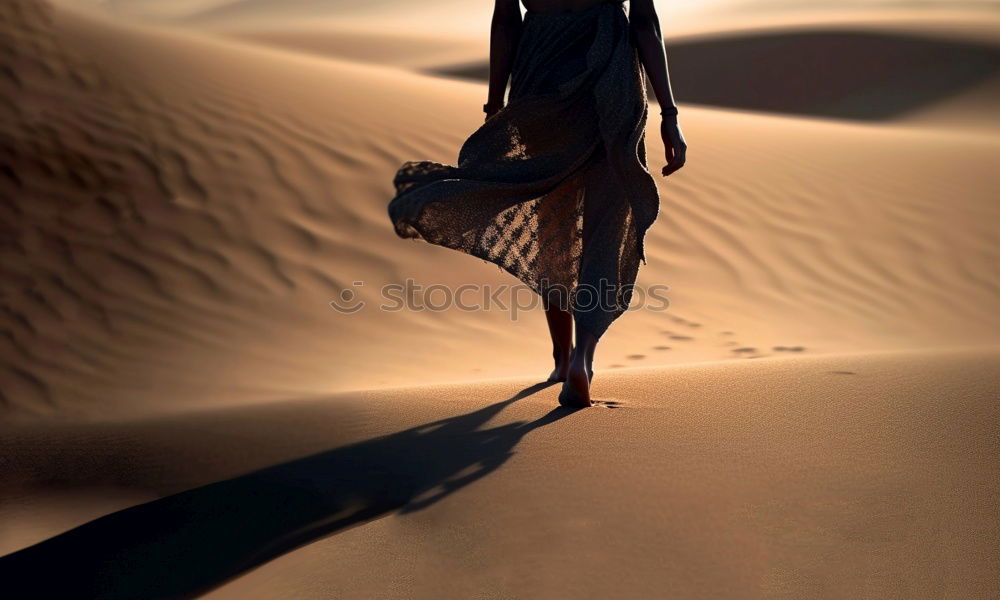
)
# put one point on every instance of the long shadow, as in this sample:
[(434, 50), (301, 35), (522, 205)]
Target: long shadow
[(186, 544)]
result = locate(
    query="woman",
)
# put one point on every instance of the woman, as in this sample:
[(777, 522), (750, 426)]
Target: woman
[(554, 186)]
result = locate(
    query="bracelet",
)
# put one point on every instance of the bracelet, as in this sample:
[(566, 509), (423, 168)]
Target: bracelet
[(670, 110)]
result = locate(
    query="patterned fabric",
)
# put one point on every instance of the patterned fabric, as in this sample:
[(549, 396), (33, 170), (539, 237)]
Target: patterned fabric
[(553, 188)]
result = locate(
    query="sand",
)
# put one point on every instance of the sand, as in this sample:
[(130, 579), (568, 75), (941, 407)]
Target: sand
[(840, 475), (814, 416)]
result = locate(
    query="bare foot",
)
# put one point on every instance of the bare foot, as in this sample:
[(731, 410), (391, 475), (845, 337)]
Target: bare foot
[(576, 389)]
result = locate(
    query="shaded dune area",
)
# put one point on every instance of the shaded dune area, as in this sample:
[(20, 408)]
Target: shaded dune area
[(148, 215), (845, 74)]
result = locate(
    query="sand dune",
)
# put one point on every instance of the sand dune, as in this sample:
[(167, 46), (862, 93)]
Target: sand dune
[(842, 71), (831, 476), (814, 416), (835, 73), (199, 203), (866, 65)]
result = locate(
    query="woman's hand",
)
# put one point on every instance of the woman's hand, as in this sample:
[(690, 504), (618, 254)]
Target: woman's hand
[(673, 144)]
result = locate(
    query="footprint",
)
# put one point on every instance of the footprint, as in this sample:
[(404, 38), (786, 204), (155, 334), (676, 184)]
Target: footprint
[(725, 333), (608, 404), (615, 366), (661, 347), (744, 350), (681, 337), (636, 356), (789, 348), (842, 373)]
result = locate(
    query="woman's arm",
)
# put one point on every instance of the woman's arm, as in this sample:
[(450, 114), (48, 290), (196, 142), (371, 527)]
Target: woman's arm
[(505, 33), (645, 26)]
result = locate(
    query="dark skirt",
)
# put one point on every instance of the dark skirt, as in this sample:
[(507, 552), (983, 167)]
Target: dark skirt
[(553, 188)]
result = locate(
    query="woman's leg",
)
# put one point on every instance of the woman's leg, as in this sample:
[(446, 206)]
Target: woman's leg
[(576, 389), (598, 298), (558, 249), (560, 323)]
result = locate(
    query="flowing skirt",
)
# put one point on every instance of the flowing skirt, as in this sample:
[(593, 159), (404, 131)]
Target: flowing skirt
[(554, 188)]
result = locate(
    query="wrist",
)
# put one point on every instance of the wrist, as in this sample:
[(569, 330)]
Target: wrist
[(668, 112)]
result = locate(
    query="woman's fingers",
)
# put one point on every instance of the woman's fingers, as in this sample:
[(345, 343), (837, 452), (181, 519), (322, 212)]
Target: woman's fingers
[(675, 159), (674, 146)]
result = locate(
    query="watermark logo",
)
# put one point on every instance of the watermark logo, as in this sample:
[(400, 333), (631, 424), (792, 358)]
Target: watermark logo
[(347, 301), (513, 299)]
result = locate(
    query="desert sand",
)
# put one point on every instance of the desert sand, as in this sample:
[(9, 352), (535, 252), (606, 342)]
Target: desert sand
[(183, 412)]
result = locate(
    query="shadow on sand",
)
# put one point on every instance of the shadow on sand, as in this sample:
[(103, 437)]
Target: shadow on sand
[(186, 544)]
